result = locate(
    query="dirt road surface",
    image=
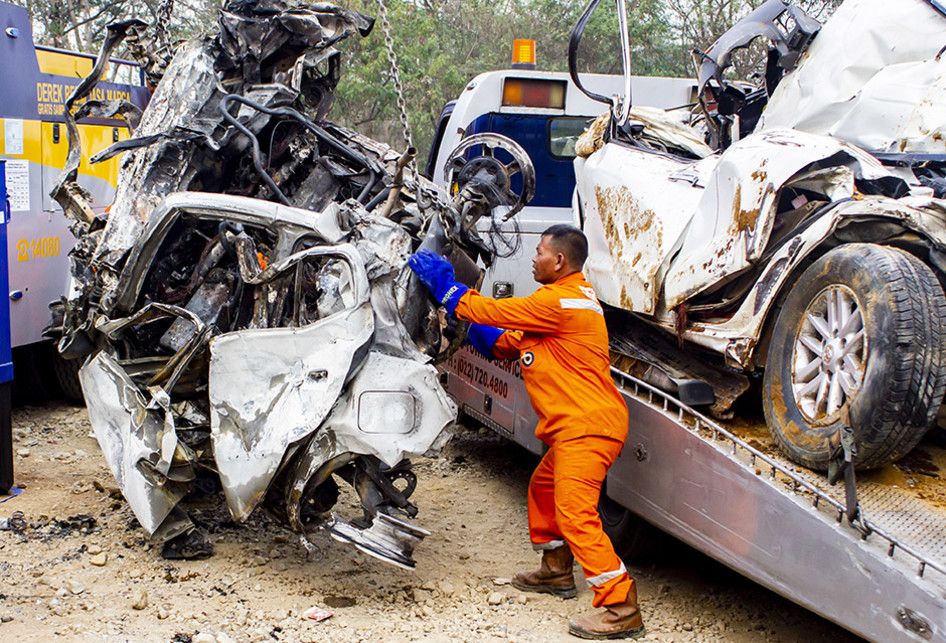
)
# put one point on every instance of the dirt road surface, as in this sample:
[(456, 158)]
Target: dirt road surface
[(96, 577)]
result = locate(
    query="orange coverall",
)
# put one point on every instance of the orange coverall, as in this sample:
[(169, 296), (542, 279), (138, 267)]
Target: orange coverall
[(558, 335)]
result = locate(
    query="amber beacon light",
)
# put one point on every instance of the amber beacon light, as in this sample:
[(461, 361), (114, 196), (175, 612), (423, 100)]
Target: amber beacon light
[(523, 53)]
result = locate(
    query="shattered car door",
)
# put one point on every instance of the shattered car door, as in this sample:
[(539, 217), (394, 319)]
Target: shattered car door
[(271, 387), (134, 439)]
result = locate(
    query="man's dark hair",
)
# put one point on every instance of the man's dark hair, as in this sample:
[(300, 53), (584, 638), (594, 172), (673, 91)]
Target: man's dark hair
[(570, 241)]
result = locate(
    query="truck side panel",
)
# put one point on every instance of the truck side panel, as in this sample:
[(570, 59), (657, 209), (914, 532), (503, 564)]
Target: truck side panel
[(33, 141)]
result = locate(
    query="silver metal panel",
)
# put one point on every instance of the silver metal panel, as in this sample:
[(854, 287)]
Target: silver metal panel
[(272, 387), (132, 435), (698, 490)]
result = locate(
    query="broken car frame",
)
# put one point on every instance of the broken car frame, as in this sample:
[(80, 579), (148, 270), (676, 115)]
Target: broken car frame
[(244, 309), (807, 240)]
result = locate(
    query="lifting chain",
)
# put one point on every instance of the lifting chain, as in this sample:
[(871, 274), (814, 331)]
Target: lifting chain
[(163, 23), (396, 75)]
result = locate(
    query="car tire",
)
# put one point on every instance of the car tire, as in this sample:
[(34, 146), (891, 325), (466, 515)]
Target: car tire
[(66, 372), (901, 356), (634, 539)]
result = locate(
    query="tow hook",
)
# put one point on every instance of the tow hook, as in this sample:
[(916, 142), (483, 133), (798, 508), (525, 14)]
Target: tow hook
[(841, 465)]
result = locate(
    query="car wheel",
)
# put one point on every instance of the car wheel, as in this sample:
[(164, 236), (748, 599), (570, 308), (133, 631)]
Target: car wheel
[(634, 539), (66, 372), (861, 331)]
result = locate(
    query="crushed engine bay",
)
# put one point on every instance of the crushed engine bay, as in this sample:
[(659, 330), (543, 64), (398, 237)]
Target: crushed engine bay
[(244, 309)]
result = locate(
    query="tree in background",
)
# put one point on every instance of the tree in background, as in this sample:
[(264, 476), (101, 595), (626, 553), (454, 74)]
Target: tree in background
[(698, 23), (442, 44), (79, 25)]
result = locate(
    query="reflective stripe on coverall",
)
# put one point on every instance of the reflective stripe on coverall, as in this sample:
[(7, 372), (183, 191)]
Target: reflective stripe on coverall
[(559, 336)]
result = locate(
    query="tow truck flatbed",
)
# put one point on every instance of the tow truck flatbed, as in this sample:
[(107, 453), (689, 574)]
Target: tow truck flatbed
[(748, 507)]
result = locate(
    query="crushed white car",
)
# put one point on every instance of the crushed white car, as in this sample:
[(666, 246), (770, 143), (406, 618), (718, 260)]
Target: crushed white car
[(244, 310), (807, 240)]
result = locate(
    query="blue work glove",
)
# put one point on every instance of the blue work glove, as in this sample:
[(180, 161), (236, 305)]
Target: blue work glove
[(483, 338), (436, 273)]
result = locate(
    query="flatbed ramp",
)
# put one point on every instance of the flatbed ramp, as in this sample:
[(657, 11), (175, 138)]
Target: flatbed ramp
[(727, 491), (784, 526)]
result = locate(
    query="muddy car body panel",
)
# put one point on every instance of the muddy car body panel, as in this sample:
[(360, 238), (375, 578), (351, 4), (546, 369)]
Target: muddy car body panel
[(738, 336), (664, 231), (711, 248), (733, 221), (629, 242), (884, 97), (663, 224)]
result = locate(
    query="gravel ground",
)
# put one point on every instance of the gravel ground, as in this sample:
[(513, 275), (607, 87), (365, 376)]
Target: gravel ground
[(83, 570)]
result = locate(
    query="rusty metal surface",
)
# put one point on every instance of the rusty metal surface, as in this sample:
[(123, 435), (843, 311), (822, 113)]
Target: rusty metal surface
[(719, 235), (706, 248), (246, 309)]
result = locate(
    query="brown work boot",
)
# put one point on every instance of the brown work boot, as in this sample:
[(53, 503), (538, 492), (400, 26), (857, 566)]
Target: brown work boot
[(554, 576), (620, 621)]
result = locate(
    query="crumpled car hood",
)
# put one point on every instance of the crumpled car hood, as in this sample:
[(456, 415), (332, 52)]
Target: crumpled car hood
[(874, 77), (736, 213)]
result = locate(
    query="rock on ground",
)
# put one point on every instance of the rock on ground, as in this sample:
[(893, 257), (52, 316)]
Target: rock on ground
[(110, 584)]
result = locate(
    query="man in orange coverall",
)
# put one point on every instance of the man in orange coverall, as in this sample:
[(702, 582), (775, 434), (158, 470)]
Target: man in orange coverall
[(558, 335)]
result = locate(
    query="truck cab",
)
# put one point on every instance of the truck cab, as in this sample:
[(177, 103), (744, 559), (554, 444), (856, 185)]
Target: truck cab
[(544, 112)]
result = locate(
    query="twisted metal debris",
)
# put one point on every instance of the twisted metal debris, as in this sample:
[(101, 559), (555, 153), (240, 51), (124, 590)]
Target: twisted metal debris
[(243, 310)]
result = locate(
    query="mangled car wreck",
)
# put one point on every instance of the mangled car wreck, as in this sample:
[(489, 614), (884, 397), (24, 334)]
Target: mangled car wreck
[(244, 308), (806, 237)]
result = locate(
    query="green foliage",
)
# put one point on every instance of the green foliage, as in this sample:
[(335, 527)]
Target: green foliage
[(442, 44), (80, 25)]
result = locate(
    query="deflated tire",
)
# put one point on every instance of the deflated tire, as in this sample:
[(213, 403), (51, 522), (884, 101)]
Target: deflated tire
[(861, 332)]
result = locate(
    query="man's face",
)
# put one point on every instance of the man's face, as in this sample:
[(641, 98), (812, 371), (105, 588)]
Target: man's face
[(548, 264)]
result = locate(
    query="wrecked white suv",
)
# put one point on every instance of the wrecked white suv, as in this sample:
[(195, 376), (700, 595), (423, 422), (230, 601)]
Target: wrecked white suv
[(805, 238), (244, 311)]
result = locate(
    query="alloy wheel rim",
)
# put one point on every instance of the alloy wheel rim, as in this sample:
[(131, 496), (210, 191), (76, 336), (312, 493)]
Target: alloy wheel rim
[(830, 354)]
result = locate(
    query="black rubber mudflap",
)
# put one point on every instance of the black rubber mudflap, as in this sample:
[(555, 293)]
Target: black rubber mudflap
[(6, 440)]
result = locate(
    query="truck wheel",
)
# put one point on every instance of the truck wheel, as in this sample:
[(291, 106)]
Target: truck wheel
[(862, 329), (634, 539), (66, 372)]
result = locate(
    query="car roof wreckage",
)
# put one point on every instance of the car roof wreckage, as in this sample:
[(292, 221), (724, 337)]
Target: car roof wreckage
[(244, 309)]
